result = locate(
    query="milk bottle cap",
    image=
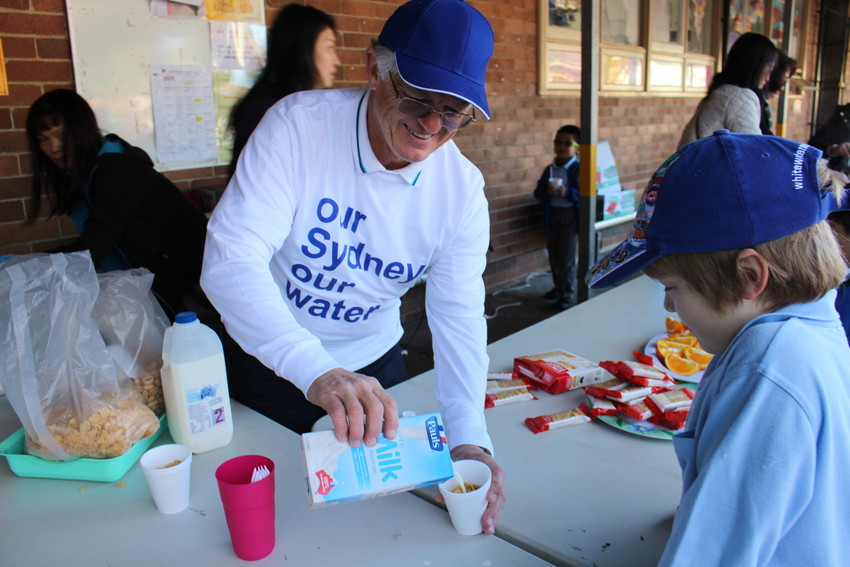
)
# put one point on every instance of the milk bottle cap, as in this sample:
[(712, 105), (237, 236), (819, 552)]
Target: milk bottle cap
[(185, 317)]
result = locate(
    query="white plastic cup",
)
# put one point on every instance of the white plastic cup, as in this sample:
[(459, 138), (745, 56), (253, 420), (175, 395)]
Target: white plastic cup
[(168, 482), (556, 186), (466, 509)]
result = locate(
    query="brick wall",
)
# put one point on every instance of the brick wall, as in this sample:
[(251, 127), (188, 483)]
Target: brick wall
[(511, 149)]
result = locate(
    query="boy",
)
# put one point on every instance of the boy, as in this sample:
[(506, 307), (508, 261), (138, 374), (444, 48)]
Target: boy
[(558, 189), (731, 226)]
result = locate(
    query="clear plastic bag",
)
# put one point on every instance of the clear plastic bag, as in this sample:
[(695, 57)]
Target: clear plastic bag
[(133, 325), (57, 373)]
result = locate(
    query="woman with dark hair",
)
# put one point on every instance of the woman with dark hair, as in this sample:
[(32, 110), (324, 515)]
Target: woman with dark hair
[(128, 214), (785, 67), (733, 101), (301, 56)]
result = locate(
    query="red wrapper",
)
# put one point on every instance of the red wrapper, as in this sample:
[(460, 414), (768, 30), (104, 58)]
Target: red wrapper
[(558, 371), (606, 389), (671, 400), (594, 407), (638, 372), (674, 420), (553, 421), (640, 412), (507, 397)]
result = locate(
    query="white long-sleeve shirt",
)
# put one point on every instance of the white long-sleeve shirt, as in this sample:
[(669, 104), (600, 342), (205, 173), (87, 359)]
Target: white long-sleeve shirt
[(314, 242)]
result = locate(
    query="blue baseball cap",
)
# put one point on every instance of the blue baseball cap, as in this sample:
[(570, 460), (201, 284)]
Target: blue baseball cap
[(724, 192), (441, 46)]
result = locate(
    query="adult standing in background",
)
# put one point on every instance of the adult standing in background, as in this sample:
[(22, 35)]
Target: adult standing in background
[(301, 56), (784, 69), (341, 201), (129, 215), (734, 99)]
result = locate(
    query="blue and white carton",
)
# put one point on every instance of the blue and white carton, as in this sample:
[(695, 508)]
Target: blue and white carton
[(418, 456)]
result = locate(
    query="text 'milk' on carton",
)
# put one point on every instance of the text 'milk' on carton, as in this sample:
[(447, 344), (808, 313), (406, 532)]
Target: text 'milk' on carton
[(336, 472)]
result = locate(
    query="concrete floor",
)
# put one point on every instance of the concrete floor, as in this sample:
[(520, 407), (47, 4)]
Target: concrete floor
[(507, 310)]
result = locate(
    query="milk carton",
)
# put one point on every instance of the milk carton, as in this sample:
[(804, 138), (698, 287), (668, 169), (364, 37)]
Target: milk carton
[(194, 384), (336, 472)]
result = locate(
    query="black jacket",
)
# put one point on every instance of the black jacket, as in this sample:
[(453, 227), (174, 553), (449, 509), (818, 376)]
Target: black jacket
[(138, 210)]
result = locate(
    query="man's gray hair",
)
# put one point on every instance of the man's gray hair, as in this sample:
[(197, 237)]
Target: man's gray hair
[(385, 58)]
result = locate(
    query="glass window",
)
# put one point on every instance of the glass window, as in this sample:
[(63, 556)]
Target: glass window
[(565, 14), (667, 21), (621, 22), (622, 71), (665, 73), (777, 13), (698, 76), (700, 26), (563, 68), (755, 13)]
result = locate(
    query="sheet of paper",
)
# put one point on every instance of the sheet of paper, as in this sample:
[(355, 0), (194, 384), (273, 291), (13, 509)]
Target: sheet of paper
[(237, 45), (184, 112), (236, 10)]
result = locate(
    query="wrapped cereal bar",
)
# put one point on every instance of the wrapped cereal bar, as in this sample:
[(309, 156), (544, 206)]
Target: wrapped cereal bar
[(492, 400), (638, 373), (594, 407), (553, 421), (496, 386)]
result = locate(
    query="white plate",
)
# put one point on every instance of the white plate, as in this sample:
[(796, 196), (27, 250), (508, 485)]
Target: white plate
[(650, 350), (635, 427)]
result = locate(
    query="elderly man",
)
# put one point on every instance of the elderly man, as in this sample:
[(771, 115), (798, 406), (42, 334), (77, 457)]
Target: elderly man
[(341, 201)]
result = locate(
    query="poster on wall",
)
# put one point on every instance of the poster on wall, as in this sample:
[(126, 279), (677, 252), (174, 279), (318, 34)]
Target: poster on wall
[(183, 112), (188, 9), (251, 11)]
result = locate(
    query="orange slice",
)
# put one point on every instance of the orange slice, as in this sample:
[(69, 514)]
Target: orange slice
[(681, 365), (665, 346), (685, 338), (698, 355), (674, 325)]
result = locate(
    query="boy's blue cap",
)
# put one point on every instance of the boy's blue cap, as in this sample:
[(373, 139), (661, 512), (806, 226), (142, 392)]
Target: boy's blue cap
[(724, 192), (441, 46)]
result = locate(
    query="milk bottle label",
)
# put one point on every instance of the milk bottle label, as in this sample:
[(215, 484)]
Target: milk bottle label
[(206, 408)]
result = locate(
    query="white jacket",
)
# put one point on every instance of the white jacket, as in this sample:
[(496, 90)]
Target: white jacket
[(729, 107)]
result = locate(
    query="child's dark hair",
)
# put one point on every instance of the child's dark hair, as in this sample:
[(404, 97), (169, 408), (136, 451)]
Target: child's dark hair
[(81, 140), (572, 130)]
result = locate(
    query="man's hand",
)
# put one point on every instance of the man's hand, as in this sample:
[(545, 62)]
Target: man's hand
[(354, 400), (496, 496)]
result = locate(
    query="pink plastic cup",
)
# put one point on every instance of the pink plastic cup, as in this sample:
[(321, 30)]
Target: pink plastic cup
[(248, 506)]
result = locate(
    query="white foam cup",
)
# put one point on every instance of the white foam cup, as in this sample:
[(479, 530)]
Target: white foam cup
[(466, 509), (168, 482)]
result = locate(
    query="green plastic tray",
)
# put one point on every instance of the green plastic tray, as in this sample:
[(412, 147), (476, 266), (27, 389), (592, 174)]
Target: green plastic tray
[(101, 470)]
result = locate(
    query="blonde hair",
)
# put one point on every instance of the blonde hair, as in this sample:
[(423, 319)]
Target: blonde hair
[(803, 265)]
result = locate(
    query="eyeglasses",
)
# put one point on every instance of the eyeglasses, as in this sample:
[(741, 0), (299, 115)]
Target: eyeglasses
[(416, 109), (567, 143)]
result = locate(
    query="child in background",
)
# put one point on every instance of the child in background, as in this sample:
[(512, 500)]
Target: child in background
[(558, 189), (731, 225), (839, 220)]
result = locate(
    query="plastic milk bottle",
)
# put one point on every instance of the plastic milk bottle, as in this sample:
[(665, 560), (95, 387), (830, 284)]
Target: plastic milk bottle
[(194, 384)]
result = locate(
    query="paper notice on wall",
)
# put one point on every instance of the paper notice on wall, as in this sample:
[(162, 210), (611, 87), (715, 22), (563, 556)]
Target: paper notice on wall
[(236, 45), (607, 178), (183, 112), (236, 10), (185, 9)]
